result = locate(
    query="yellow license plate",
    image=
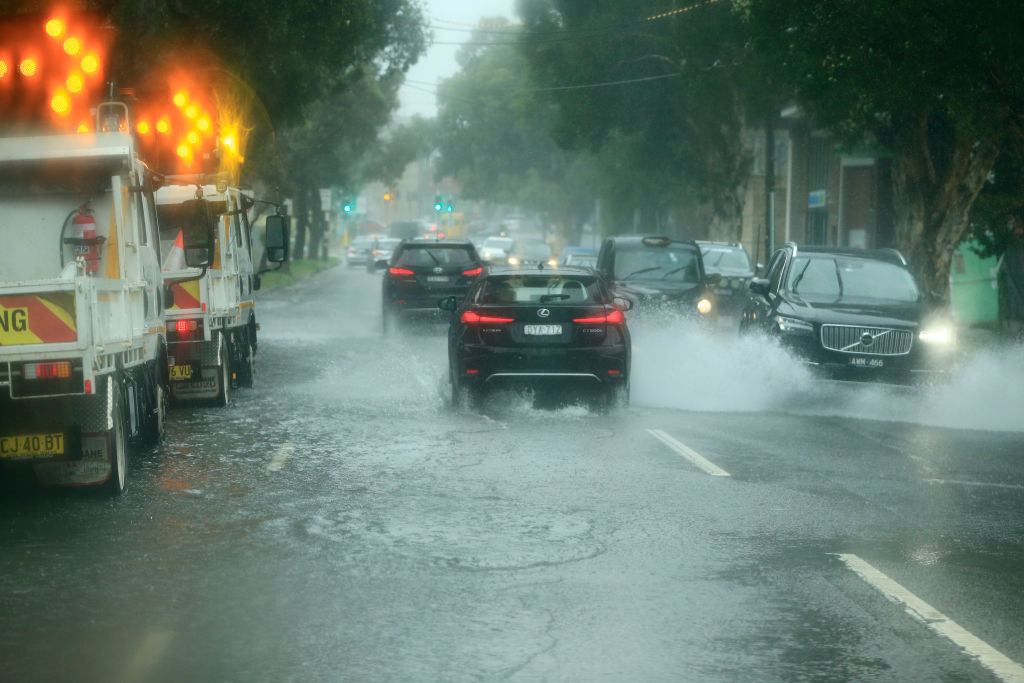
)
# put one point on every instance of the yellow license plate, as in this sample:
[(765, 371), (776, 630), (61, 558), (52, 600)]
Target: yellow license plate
[(31, 445), (181, 372)]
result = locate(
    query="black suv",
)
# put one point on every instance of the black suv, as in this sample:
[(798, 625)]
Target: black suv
[(540, 326), (423, 271), (657, 272), (852, 313), (731, 262)]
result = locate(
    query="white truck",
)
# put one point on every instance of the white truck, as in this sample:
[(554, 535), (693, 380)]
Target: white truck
[(83, 352), (211, 313)]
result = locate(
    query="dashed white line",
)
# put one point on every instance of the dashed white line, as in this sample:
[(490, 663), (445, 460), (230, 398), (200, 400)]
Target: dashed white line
[(282, 454), (998, 663), (147, 658), (688, 453), (983, 484)]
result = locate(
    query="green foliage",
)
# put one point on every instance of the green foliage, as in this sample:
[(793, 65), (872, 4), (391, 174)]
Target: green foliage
[(386, 161)]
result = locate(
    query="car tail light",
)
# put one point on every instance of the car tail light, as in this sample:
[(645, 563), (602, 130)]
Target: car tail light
[(469, 317), (473, 272), (57, 370), (612, 318), (400, 271)]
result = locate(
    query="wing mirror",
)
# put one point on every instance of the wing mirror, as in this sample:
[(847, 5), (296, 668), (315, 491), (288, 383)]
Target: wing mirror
[(759, 285), (449, 303), (197, 233), (276, 240), (622, 303)]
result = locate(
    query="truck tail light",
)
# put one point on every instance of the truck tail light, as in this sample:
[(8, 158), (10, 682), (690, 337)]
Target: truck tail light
[(56, 370)]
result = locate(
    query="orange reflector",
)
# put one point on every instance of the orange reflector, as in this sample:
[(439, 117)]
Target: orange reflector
[(72, 46), (27, 67), (59, 370)]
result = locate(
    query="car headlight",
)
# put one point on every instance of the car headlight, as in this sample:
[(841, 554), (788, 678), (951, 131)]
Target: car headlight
[(487, 253), (793, 324), (704, 306), (513, 261), (940, 335)]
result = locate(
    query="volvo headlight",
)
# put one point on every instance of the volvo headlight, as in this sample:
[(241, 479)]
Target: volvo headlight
[(704, 306), (793, 325), (939, 335)]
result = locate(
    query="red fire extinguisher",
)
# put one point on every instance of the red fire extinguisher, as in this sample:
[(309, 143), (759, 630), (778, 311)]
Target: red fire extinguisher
[(85, 229)]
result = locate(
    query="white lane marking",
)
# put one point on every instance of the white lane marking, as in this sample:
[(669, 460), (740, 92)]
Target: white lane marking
[(688, 453), (283, 453), (958, 482), (998, 663), (147, 658)]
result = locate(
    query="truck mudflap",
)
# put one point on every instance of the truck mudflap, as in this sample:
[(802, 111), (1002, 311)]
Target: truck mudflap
[(65, 441), (195, 370)]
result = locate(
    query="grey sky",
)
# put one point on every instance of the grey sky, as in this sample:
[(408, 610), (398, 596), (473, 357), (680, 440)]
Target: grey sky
[(449, 21)]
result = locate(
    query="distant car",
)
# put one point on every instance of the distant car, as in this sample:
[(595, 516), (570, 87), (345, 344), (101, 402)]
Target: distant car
[(495, 249), (539, 326), (530, 252), (851, 313), (380, 253), (731, 262), (657, 272), (423, 271), (358, 251), (578, 256)]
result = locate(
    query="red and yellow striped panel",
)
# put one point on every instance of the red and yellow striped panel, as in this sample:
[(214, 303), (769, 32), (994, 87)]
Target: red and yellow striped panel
[(186, 295), (37, 318)]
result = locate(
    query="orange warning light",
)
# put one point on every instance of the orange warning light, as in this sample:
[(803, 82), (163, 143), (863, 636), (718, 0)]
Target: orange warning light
[(183, 151), (72, 46), (60, 103), (191, 111), (82, 128), (180, 99), (142, 127), (163, 126), (54, 28), (192, 138), (203, 124), (3, 68), (74, 83), (27, 67), (90, 64)]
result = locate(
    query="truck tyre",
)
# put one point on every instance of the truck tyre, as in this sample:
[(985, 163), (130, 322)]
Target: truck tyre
[(247, 365), (153, 427), (224, 360), (117, 436)]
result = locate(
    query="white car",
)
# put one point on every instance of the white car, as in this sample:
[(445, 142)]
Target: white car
[(495, 249)]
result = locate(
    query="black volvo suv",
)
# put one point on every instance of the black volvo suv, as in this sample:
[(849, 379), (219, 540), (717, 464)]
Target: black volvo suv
[(853, 313)]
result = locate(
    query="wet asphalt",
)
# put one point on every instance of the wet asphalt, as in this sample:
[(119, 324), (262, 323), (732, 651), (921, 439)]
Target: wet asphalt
[(340, 521)]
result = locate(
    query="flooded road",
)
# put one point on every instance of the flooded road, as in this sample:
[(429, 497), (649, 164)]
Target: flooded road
[(341, 522)]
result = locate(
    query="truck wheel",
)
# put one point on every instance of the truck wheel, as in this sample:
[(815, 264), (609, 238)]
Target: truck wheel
[(153, 429), (247, 367), (224, 396), (118, 444)]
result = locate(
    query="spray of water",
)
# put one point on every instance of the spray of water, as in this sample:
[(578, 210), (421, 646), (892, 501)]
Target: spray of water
[(679, 365)]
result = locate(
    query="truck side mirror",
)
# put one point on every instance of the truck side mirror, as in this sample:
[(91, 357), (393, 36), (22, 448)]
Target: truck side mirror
[(276, 240), (197, 233)]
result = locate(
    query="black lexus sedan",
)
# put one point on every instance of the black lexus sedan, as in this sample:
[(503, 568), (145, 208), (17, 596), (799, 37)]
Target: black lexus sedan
[(421, 272), (852, 313), (541, 326), (657, 272)]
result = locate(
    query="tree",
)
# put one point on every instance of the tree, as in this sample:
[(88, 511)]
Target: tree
[(936, 82), (679, 84)]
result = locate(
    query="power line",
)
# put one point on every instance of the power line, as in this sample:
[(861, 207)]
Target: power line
[(608, 83)]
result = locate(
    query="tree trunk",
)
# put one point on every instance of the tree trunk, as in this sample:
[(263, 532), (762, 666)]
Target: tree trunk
[(932, 207), (301, 222)]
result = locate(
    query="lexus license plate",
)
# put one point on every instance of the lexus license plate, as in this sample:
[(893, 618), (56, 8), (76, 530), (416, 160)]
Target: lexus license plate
[(867, 362), (437, 278), (542, 330), (31, 445)]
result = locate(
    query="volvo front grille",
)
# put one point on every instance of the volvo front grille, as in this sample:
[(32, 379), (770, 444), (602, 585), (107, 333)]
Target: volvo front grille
[(876, 341)]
